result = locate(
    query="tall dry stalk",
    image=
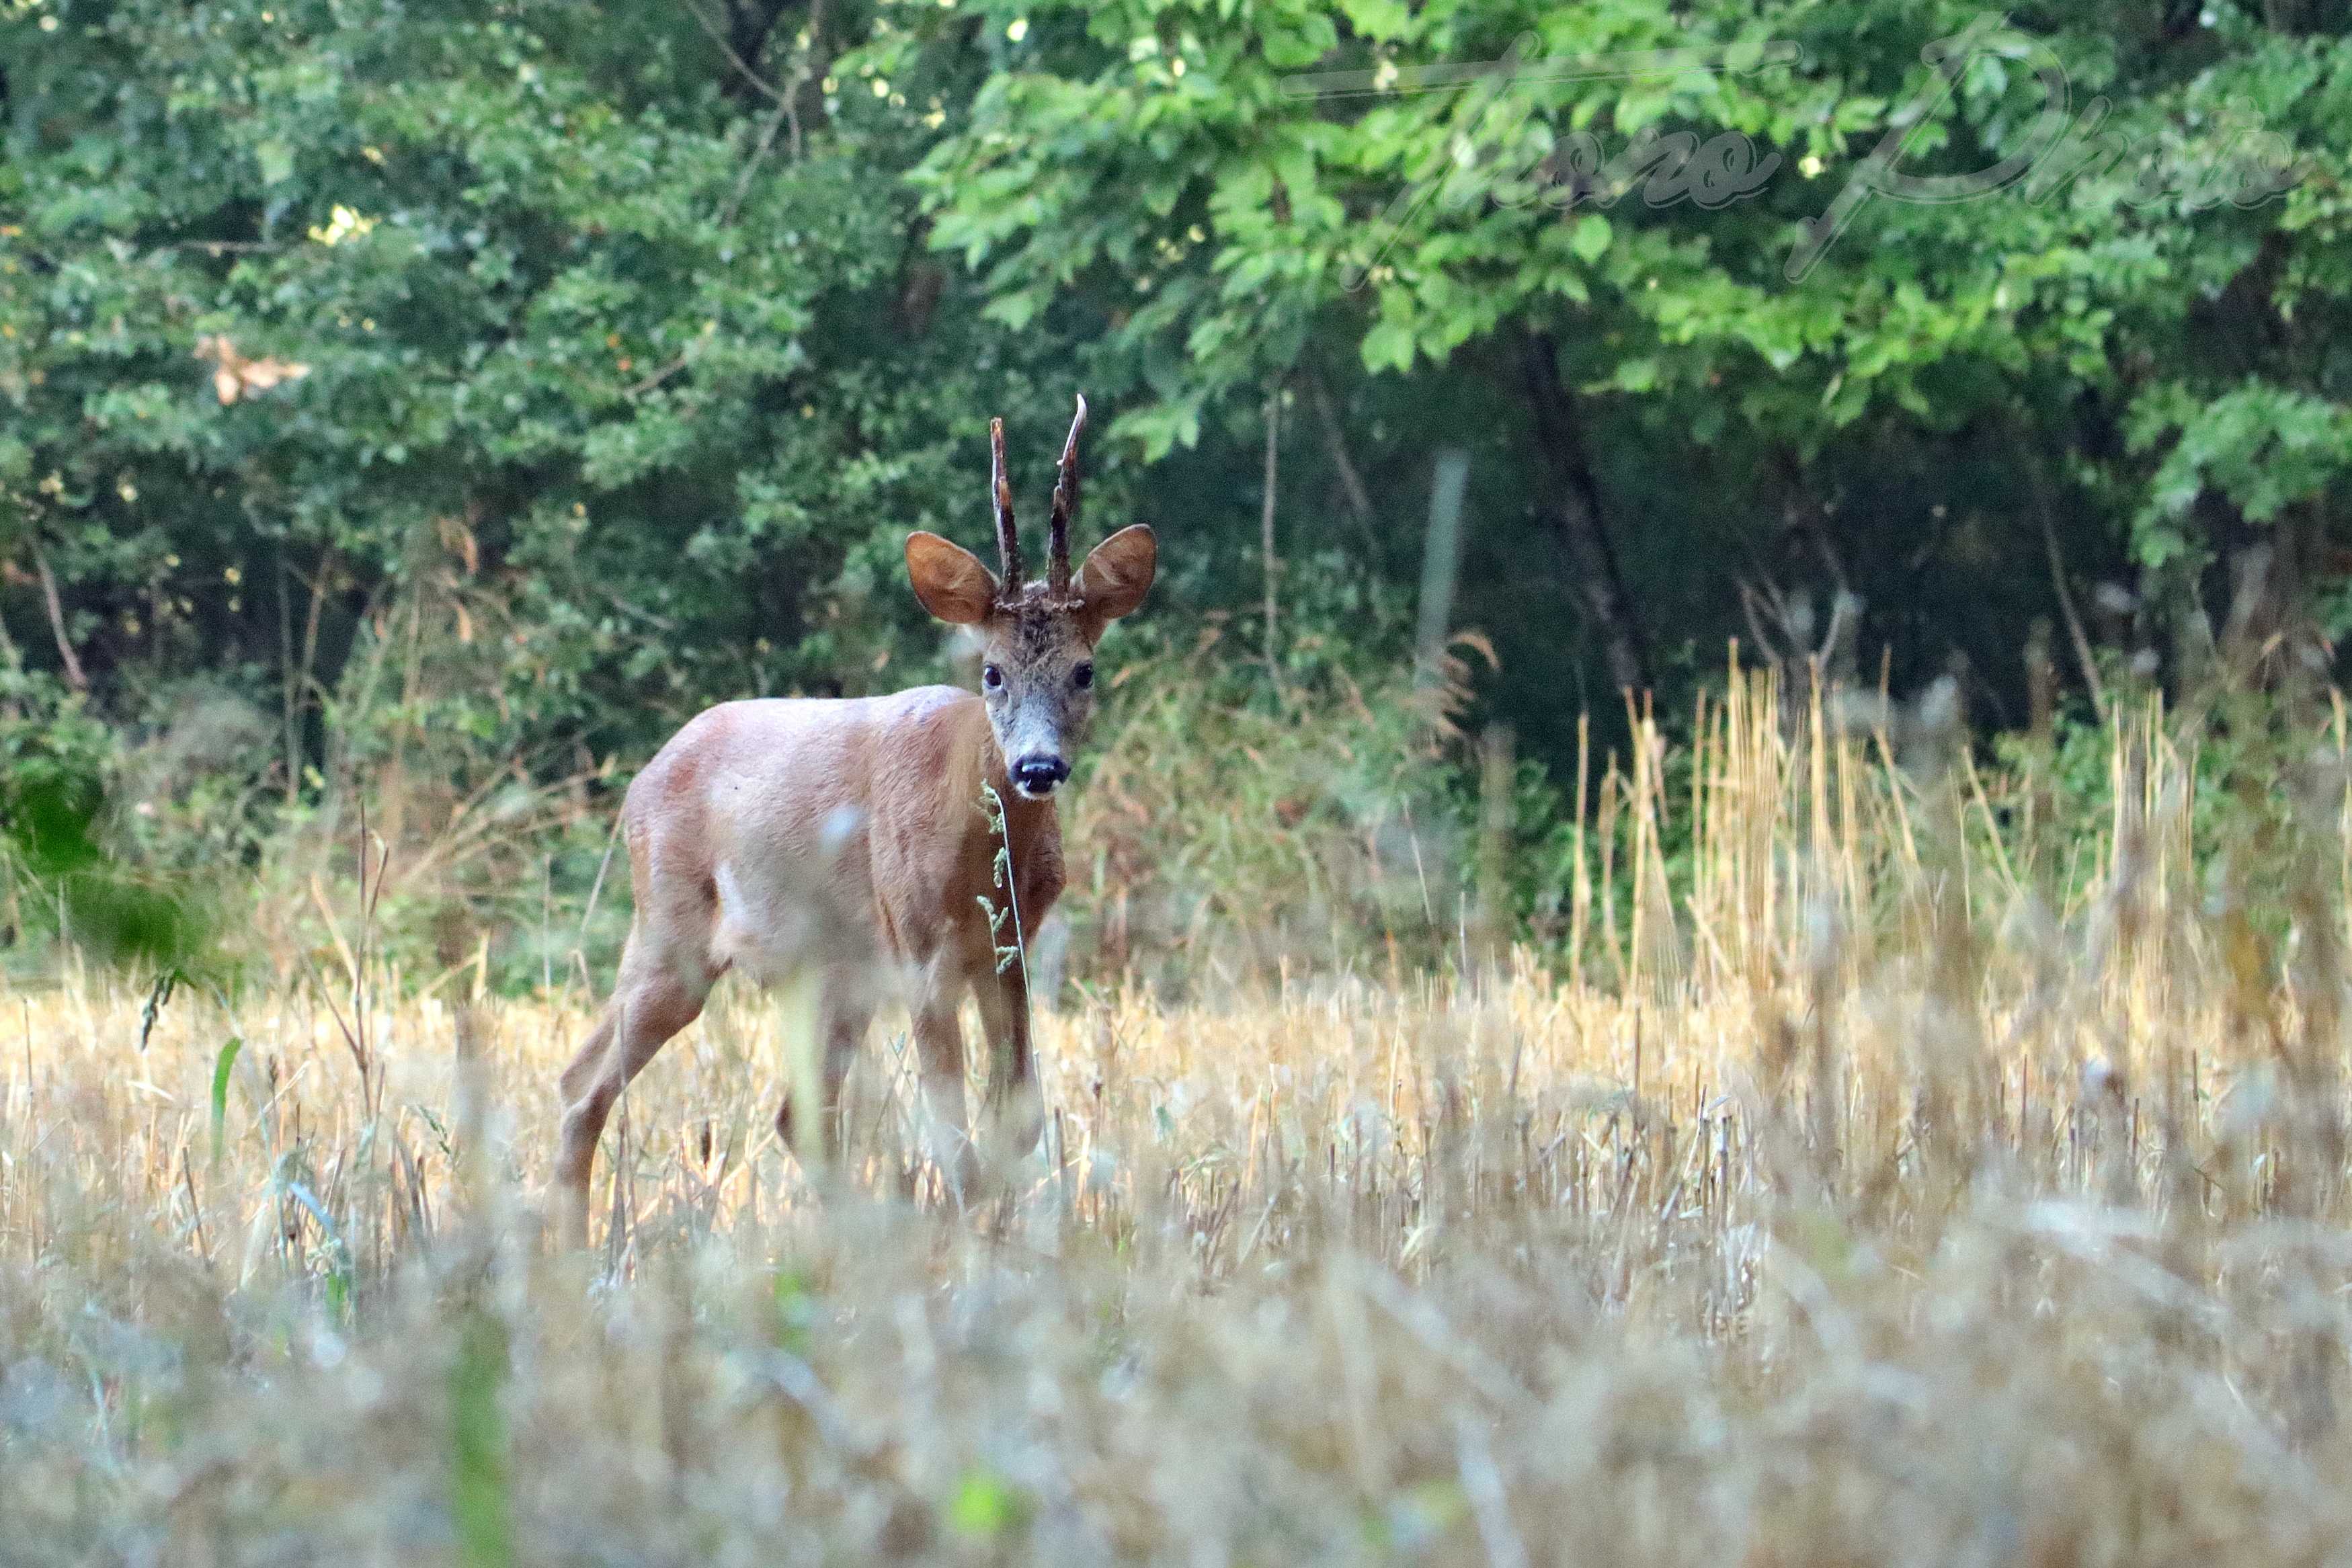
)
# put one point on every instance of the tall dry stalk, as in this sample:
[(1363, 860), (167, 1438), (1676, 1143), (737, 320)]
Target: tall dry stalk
[(1898, 1208)]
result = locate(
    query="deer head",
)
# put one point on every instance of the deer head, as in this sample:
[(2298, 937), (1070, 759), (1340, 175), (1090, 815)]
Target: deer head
[(1037, 638)]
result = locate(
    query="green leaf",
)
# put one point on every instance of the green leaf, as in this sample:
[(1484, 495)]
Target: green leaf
[(1377, 19), (221, 1065), (1637, 375), (1308, 37), (277, 161), (1388, 346), (986, 1506)]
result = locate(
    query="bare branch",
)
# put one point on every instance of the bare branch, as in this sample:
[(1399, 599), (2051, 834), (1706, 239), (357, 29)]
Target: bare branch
[(742, 64), (1334, 442), (74, 677), (2038, 482), (787, 114)]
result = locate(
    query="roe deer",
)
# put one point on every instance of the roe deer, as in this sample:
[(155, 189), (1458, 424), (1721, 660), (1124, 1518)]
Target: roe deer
[(848, 834)]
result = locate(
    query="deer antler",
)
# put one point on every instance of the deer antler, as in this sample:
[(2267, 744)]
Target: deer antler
[(1008, 543), (1065, 507)]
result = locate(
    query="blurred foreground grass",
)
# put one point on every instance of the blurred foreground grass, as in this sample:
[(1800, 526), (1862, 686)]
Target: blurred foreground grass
[(1884, 1196)]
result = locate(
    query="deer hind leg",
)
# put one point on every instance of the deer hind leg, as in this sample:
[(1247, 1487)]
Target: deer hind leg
[(846, 1016), (1017, 1108), (652, 1001)]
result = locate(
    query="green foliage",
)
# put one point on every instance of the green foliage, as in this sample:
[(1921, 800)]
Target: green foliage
[(2262, 447), (53, 760), (56, 763), (1224, 822), (2139, 304), (1003, 923), (435, 407), (222, 1066), (986, 1506), (479, 1506), (587, 343)]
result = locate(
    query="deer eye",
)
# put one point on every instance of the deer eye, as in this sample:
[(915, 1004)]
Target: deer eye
[(1084, 676), (991, 677)]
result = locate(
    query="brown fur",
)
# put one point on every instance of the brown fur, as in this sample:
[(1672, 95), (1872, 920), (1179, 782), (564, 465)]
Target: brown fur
[(773, 834)]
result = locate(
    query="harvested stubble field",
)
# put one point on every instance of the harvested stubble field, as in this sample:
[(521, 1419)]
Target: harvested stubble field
[(1870, 1199)]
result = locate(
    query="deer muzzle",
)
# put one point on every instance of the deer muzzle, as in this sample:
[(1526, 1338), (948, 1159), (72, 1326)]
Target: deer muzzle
[(1037, 775)]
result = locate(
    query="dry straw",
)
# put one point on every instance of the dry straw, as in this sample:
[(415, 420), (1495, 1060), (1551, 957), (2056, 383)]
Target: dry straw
[(1879, 1184)]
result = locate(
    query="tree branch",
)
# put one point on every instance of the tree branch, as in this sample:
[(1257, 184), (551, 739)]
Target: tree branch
[(1265, 527), (787, 113), (75, 675), (734, 57), (2038, 482), (1334, 442)]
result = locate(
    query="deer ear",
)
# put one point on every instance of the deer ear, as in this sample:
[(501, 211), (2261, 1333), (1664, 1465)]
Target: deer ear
[(1117, 575), (949, 579)]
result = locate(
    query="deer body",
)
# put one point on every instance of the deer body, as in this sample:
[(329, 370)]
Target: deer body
[(865, 812), (849, 836)]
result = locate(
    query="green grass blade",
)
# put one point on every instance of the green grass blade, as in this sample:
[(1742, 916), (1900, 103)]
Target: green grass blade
[(221, 1065)]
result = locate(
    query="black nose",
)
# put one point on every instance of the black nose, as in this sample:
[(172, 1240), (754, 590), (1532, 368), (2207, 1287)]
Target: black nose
[(1039, 774)]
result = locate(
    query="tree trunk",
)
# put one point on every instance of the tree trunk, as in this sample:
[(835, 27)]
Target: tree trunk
[(1573, 507)]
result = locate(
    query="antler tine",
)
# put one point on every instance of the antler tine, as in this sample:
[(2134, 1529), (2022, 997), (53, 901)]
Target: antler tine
[(1008, 542), (1065, 507)]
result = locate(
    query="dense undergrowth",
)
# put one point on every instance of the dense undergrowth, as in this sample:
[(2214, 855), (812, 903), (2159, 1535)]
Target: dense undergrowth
[(1346, 817)]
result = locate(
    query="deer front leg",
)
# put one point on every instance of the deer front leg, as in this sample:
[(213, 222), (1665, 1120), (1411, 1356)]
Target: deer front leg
[(1015, 1111), (939, 1049)]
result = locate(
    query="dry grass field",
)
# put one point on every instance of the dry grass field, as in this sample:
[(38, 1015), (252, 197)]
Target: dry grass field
[(1894, 1187)]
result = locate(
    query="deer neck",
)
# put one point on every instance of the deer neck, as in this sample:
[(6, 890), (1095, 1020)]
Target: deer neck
[(1024, 818), (983, 764)]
